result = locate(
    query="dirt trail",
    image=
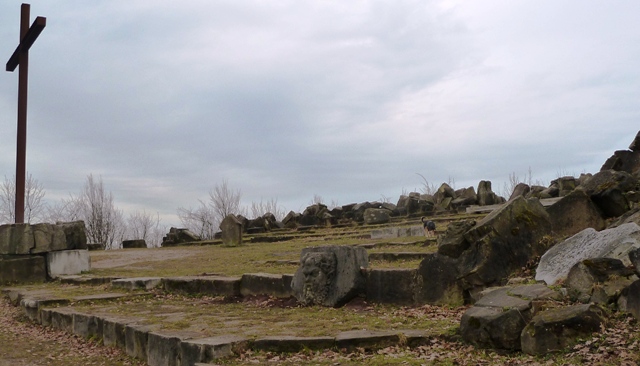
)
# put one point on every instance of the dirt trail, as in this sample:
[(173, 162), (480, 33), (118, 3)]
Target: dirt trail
[(127, 257)]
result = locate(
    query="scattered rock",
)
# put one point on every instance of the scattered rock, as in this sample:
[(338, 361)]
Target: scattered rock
[(557, 329), (502, 242), (589, 243), (452, 243), (574, 213)]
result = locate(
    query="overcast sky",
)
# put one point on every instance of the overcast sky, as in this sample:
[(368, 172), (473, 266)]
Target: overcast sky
[(347, 100)]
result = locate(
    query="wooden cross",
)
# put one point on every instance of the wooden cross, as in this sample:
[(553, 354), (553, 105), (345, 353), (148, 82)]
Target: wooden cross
[(20, 58)]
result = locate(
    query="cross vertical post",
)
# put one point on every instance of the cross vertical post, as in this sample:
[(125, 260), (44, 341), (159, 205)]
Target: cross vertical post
[(20, 58)]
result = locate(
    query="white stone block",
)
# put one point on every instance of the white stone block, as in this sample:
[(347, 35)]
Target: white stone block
[(68, 262)]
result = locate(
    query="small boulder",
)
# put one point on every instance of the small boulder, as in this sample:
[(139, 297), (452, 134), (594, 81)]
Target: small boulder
[(557, 329)]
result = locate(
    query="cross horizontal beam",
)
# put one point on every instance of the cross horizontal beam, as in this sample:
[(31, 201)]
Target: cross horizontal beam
[(33, 33)]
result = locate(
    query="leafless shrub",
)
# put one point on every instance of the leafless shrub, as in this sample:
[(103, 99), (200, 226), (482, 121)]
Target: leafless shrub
[(35, 208)]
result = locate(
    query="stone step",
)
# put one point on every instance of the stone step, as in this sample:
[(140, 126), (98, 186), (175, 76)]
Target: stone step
[(399, 256)]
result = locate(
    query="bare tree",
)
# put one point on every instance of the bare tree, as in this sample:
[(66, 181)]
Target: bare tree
[(260, 208), (104, 223), (68, 209), (224, 201), (206, 218), (146, 226), (427, 188), (201, 220), (34, 205)]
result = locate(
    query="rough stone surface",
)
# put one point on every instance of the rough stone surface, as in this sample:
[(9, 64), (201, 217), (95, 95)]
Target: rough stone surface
[(574, 213), (22, 269), (375, 216), (134, 243), (136, 337), (632, 296), (208, 350), (20, 239), (607, 190), (598, 280), (556, 329), (490, 327), (635, 145), (231, 228), (485, 194), (47, 238), (498, 318), (623, 160), (265, 284), (16, 239), (502, 242), (452, 243), (138, 283), (68, 262), (589, 243), (292, 344), (365, 339), (330, 275), (210, 285), (163, 350), (521, 189), (437, 281), (391, 286), (75, 234)]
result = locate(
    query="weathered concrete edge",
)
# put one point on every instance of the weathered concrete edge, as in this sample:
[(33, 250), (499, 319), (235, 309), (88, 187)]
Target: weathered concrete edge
[(146, 343)]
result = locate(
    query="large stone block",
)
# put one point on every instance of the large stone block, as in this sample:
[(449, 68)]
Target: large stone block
[(208, 350), (16, 239), (205, 285), (375, 216), (558, 329), (265, 284), (574, 213), (22, 269), (391, 286), (134, 243), (163, 350), (607, 190), (437, 281), (48, 238), (330, 275), (68, 262), (503, 242), (75, 234), (589, 243), (498, 318)]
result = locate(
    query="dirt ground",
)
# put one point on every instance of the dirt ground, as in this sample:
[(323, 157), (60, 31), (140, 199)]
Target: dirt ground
[(23, 343), (119, 258)]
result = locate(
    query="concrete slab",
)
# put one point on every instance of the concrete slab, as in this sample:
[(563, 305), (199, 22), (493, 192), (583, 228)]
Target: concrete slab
[(292, 344), (68, 262), (206, 285), (22, 269), (138, 283), (369, 340)]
